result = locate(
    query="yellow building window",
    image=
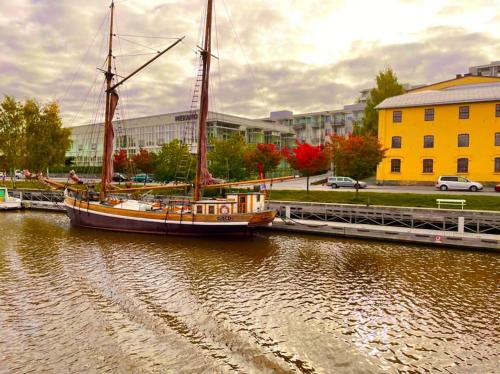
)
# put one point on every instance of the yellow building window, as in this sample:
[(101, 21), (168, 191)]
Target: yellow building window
[(395, 165), (397, 116), (428, 166), (463, 165), (428, 141), (497, 110), (396, 142), (429, 114), (463, 112), (463, 140), (497, 165)]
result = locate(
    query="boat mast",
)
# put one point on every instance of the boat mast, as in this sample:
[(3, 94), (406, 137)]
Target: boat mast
[(108, 126), (201, 165)]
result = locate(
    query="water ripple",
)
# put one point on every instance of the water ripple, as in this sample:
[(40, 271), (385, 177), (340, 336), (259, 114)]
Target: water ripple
[(74, 300)]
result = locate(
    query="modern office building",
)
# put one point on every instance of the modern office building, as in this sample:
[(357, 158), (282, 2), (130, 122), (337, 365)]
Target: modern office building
[(152, 132), (446, 128)]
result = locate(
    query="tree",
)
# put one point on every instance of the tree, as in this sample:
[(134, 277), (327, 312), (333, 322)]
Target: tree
[(121, 161), (387, 86), (12, 130), (227, 158), (69, 160), (145, 161), (357, 156), (263, 158), (46, 141), (309, 159), (171, 156)]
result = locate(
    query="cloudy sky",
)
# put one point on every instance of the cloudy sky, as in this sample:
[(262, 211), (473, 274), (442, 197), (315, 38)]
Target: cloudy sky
[(300, 55)]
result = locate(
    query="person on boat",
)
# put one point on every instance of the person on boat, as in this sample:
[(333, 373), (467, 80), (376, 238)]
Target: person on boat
[(74, 178)]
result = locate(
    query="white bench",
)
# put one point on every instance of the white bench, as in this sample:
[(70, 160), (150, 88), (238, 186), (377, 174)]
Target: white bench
[(456, 202)]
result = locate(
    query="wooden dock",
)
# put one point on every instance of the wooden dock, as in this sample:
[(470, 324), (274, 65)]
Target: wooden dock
[(390, 233)]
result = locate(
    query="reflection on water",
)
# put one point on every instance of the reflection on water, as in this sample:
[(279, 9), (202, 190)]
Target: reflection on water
[(82, 300)]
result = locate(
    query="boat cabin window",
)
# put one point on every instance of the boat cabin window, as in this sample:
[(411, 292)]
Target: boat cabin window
[(258, 198), (199, 209), (211, 209)]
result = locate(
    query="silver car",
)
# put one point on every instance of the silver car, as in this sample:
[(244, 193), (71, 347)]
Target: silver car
[(337, 182), (454, 182)]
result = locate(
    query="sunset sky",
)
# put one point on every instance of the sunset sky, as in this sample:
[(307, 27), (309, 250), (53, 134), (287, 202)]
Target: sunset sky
[(299, 55)]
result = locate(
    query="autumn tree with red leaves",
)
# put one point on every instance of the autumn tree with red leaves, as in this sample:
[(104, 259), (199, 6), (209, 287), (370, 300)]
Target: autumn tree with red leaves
[(357, 156), (309, 159), (121, 161), (263, 158), (145, 161)]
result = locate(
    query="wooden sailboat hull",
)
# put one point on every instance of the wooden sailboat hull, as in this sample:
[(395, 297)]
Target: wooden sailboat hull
[(102, 217)]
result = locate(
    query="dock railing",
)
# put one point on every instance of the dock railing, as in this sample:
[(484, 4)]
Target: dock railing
[(423, 218)]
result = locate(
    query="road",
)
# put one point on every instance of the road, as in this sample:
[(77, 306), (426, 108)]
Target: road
[(300, 184)]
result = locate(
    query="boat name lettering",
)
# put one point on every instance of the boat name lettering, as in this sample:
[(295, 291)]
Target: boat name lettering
[(224, 218), (186, 117)]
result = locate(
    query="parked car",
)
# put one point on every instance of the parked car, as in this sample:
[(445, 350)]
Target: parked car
[(18, 174), (497, 188), (337, 182), (454, 182), (117, 177), (141, 178)]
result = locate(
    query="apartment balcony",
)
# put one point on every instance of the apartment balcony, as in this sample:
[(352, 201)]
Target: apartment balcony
[(299, 126), (339, 122)]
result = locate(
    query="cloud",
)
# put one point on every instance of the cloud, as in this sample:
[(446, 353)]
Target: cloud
[(269, 57)]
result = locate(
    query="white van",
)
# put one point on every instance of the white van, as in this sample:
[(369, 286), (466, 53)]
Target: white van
[(454, 182)]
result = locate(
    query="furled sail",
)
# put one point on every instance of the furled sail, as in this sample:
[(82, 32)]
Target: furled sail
[(108, 158)]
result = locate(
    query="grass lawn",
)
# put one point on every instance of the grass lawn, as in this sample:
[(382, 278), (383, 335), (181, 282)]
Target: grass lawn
[(26, 184), (476, 202)]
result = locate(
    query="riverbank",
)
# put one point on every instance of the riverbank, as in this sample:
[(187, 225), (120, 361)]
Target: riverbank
[(476, 202)]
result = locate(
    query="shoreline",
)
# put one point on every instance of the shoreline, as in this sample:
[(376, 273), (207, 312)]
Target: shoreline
[(430, 226)]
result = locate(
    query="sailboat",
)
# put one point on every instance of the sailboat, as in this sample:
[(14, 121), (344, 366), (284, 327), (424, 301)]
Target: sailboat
[(236, 213)]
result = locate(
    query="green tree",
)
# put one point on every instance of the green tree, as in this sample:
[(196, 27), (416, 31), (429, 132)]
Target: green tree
[(12, 130), (171, 156), (357, 156), (46, 141), (387, 86), (226, 158)]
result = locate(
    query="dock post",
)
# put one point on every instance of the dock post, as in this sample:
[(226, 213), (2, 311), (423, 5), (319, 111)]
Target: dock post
[(287, 211), (461, 224)]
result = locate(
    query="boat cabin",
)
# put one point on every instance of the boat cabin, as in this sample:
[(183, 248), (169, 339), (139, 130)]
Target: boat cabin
[(7, 202), (3, 194), (234, 203)]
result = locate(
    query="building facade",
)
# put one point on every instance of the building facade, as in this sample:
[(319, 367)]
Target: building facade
[(152, 132), (446, 128), (491, 70), (316, 127)]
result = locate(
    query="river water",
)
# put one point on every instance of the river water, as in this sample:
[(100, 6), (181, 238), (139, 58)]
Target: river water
[(79, 300)]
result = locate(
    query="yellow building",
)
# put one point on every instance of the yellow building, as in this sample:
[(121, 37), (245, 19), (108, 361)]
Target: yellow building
[(447, 128)]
